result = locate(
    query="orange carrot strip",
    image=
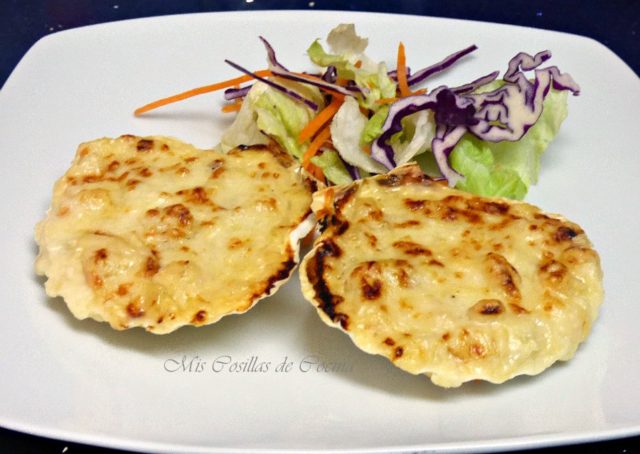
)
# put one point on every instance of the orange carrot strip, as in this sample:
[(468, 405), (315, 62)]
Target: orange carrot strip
[(232, 107), (315, 145), (199, 91), (386, 100), (392, 100), (401, 70), (319, 120)]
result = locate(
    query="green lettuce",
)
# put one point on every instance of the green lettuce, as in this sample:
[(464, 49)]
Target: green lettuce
[(482, 175), (507, 169), (347, 56), (332, 167), (280, 117)]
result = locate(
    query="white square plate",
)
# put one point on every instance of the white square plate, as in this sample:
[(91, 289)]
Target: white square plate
[(82, 381)]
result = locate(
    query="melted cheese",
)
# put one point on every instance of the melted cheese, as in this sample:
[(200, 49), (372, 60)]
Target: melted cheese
[(154, 233), (448, 284)]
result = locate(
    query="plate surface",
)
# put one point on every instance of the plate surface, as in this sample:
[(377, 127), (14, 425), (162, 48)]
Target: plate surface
[(277, 378)]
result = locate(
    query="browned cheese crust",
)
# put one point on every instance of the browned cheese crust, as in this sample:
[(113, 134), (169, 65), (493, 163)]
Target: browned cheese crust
[(151, 232), (449, 284)]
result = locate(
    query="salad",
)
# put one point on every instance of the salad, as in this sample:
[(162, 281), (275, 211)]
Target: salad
[(355, 117)]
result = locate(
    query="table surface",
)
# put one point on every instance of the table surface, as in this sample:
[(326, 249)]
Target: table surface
[(616, 24)]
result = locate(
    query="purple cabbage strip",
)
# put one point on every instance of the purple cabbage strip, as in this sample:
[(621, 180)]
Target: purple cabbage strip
[(354, 172), (504, 114), (271, 55), (508, 112), (234, 93), (474, 85), (330, 75), (440, 66), (278, 87), (347, 91)]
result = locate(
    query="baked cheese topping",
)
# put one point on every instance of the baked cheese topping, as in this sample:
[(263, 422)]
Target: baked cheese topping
[(154, 233), (449, 284)]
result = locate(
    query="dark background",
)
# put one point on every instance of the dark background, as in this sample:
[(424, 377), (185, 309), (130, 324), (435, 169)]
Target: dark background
[(614, 23)]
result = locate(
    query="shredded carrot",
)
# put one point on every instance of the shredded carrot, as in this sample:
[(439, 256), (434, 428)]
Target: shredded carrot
[(358, 64), (367, 149), (319, 120), (392, 100), (386, 100), (401, 70), (232, 107), (199, 91), (316, 143)]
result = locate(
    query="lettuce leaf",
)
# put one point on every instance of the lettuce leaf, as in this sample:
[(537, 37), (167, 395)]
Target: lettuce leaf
[(332, 167), (280, 117), (347, 128), (482, 174), (524, 155), (347, 51)]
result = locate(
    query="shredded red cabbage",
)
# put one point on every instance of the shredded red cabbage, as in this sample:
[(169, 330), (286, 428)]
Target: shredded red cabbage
[(505, 113), (474, 85), (234, 93), (440, 66), (278, 87)]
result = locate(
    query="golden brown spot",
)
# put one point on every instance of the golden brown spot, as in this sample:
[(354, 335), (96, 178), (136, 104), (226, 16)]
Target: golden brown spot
[(144, 145), (185, 248), (564, 234), (517, 309), (164, 147), (411, 248), (506, 275), (160, 319), (113, 165), (123, 289), (235, 243), (414, 205), (63, 211), (152, 212), (403, 278), (84, 151), (497, 208), (182, 171), (262, 165), (190, 159), (199, 316), (96, 280), (369, 276), (217, 167), (398, 352), (373, 241), (132, 183), (91, 178), (100, 255), (389, 341), (435, 262), (145, 172), (446, 336), (197, 195), (409, 223), (533, 227), (488, 307), (131, 161), (134, 309), (554, 271), (270, 203), (180, 212), (152, 265), (375, 214)]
